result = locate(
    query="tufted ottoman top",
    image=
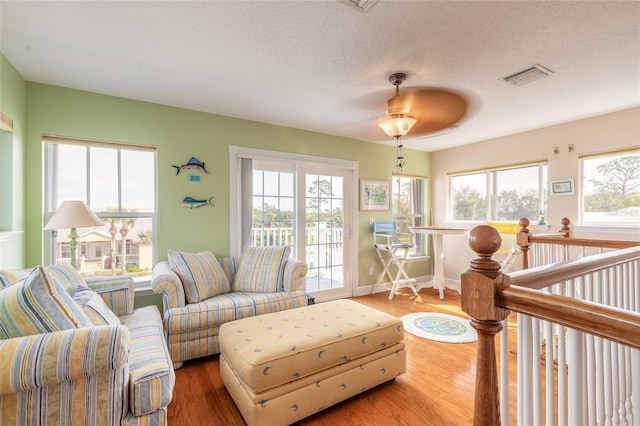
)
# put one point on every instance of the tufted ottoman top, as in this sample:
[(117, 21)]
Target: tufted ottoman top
[(277, 348)]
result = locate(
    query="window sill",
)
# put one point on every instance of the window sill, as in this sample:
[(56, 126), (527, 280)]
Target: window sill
[(8, 235), (143, 288), (417, 258), (631, 229)]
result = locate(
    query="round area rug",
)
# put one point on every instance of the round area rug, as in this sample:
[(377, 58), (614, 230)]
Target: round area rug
[(440, 327)]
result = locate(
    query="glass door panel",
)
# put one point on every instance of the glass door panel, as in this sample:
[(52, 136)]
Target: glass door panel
[(324, 233)]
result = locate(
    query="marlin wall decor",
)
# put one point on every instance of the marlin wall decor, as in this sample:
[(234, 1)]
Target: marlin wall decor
[(193, 163)]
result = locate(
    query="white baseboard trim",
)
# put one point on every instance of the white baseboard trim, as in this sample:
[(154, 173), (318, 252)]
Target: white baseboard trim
[(386, 286)]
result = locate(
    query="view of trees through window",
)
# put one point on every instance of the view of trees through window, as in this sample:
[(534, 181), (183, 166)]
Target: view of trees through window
[(118, 183), (611, 188), (499, 195), (273, 206), (311, 218)]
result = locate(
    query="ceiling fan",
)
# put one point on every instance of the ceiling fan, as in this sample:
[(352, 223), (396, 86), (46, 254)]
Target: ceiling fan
[(433, 109)]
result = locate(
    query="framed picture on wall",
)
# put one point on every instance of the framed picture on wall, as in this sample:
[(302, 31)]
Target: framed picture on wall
[(374, 195), (562, 187)]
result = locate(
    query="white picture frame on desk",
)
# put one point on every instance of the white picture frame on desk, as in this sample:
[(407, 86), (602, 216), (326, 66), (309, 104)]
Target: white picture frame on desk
[(374, 195)]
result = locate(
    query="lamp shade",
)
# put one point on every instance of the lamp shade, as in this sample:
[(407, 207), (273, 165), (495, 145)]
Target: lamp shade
[(397, 125), (73, 214)]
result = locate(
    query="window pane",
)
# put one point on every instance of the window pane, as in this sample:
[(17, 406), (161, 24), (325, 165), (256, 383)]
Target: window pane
[(138, 180), (518, 194), (72, 173), (611, 189), (257, 182), (271, 183), (401, 189), (469, 197), (408, 207), (273, 208), (286, 184), (103, 182)]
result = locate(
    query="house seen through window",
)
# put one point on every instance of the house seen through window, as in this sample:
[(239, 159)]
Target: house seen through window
[(117, 182)]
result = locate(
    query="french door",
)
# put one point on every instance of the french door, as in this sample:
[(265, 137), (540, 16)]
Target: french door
[(303, 201), (324, 200)]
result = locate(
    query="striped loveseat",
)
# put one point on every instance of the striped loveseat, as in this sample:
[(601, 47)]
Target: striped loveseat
[(66, 369), (201, 292)]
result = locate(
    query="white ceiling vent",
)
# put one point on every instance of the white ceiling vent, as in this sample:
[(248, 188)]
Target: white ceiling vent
[(534, 73), (364, 4)]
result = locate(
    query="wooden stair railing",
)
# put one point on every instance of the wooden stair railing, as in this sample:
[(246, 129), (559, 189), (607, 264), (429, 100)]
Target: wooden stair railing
[(488, 296), (525, 239)]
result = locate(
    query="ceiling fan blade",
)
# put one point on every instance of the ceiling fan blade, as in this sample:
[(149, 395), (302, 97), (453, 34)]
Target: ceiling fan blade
[(435, 109)]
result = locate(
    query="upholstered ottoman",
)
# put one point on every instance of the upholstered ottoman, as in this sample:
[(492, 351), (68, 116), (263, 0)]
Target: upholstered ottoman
[(284, 366)]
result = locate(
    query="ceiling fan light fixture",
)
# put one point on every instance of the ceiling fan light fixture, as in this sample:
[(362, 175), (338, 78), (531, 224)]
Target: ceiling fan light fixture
[(397, 125)]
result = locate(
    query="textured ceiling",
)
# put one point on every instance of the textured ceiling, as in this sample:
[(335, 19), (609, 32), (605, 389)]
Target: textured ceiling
[(323, 65)]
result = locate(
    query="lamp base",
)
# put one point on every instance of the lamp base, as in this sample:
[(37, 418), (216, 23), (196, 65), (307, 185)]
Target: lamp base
[(73, 246)]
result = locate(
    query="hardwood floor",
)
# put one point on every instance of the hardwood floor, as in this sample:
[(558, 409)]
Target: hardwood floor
[(437, 389)]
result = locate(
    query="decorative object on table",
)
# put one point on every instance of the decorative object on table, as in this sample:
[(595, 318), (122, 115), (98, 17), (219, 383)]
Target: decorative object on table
[(439, 327), (192, 203), (374, 194), (73, 214), (193, 163), (562, 187), (541, 218)]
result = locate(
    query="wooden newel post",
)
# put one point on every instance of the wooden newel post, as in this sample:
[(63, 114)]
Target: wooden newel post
[(522, 240), (479, 285)]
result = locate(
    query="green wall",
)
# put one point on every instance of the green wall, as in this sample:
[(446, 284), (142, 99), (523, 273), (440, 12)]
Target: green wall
[(179, 134), (13, 89)]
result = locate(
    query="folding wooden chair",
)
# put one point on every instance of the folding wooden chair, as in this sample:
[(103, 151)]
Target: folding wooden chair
[(392, 252)]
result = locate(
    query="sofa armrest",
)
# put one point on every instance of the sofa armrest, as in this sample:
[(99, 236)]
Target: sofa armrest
[(42, 360), (166, 282), (117, 292), (295, 272)]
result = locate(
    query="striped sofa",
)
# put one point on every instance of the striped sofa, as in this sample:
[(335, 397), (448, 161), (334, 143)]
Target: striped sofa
[(201, 292), (114, 374)]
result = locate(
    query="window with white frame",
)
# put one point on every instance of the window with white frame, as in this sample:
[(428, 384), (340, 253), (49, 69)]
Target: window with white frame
[(118, 182), (408, 198), (610, 188), (501, 194)]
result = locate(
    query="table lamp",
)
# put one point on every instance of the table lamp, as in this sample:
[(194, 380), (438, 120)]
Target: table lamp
[(73, 214)]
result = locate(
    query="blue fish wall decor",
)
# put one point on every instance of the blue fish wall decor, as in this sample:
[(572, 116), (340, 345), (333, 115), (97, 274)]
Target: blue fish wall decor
[(192, 203), (193, 163)]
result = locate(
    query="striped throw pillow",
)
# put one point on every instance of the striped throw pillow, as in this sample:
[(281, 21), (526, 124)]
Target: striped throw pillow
[(67, 276), (94, 307), (38, 305), (201, 274), (9, 277), (261, 269)]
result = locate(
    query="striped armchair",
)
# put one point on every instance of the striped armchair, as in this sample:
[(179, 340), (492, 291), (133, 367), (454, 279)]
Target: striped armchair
[(201, 292), (112, 374)]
